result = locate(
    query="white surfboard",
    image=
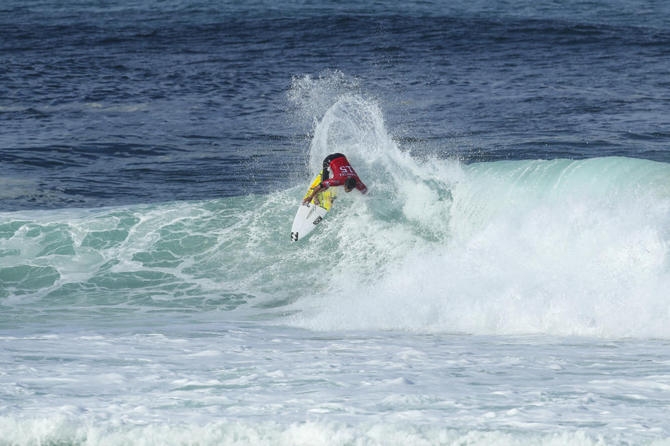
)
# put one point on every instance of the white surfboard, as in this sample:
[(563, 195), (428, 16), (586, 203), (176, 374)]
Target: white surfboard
[(308, 217)]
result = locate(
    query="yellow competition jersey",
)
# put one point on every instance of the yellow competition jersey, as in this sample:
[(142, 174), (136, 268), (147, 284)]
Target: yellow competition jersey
[(325, 198)]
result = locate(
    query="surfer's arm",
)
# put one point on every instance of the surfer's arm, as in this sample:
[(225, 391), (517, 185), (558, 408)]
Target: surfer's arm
[(314, 191)]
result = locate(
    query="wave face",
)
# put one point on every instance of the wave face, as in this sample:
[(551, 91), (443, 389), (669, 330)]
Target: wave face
[(564, 247)]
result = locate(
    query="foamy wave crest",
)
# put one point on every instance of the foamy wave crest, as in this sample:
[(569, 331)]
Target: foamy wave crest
[(564, 247)]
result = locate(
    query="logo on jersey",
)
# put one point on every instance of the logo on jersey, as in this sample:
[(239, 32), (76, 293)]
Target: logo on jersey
[(347, 171)]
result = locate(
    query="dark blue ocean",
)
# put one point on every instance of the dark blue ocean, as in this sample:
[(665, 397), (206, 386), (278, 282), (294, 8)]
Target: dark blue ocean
[(106, 103), (505, 281)]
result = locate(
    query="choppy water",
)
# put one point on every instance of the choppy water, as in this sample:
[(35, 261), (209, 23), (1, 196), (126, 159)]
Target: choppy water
[(505, 281)]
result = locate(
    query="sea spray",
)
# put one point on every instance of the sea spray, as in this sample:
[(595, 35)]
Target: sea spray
[(567, 247)]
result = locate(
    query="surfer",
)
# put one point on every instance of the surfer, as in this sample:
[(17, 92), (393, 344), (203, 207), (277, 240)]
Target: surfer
[(337, 172)]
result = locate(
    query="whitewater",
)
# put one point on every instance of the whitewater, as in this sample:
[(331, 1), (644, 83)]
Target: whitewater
[(507, 302)]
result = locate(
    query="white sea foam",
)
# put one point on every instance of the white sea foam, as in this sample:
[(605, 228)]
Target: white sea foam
[(303, 387), (273, 434), (558, 247)]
